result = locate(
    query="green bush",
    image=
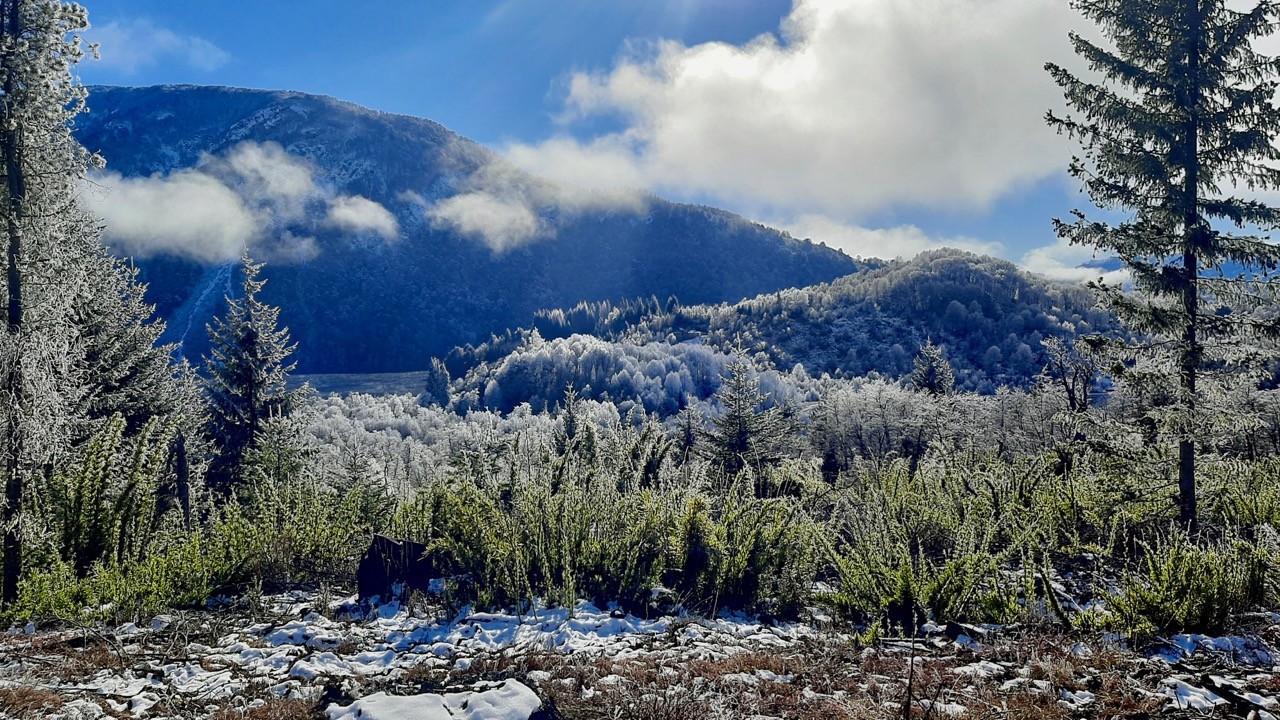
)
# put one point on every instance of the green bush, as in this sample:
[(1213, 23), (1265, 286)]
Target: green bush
[(107, 506), (183, 569), (570, 534), (1184, 586)]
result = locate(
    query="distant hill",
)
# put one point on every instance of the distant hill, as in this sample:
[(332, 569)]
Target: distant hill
[(362, 305), (989, 316)]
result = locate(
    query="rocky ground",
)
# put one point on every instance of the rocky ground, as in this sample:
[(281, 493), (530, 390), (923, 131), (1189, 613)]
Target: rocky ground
[(304, 655)]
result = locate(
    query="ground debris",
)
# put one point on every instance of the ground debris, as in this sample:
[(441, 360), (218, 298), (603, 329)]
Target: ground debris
[(311, 655)]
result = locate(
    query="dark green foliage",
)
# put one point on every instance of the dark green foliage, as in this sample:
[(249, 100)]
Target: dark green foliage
[(932, 373), (363, 490), (747, 435), (128, 371), (1181, 116), (246, 377)]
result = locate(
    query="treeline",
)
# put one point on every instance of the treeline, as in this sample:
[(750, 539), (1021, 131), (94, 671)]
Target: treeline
[(991, 316)]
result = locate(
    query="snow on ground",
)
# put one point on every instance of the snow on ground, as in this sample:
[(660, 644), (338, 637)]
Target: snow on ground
[(298, 653), (509, 700)]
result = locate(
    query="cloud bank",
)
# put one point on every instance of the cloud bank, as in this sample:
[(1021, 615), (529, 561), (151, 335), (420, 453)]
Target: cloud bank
[(504, 208), (356, 214), (127, 46), (904, 241), (1066, 262), (853, 111), (855, 106), (256, 196)]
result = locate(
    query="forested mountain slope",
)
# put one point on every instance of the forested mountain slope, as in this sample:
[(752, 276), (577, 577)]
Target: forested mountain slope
[(989, 316), (366, 304)]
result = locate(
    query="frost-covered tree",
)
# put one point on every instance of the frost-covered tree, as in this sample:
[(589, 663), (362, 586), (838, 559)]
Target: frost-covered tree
[(748, 434), (124, 369), (1181, 116), (932, 373), (246, 378), (44, 236), (1071, 369), (436, 390)]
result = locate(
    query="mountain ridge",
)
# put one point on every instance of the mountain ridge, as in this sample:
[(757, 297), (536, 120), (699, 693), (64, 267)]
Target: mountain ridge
[(366, 305)]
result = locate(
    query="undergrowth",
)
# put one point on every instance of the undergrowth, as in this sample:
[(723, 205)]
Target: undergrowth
[(953, 537)]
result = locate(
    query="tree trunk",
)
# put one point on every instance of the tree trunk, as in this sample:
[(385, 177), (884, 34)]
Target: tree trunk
[(1190, 361), (182, 471), (11, 148)]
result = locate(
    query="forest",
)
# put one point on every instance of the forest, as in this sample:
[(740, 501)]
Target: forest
[(934, 487)]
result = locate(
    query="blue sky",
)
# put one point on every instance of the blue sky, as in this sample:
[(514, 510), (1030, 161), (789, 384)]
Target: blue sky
[(489, 69), (879, 126)]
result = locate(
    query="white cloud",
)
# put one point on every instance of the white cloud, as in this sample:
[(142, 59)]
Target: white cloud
[(290, 248), (903, 241), (356, 214), (503, 207), (1066, 262), (187, 213), (128, 46), (501, 223), (857, 106), (256, 195), (269, 175)]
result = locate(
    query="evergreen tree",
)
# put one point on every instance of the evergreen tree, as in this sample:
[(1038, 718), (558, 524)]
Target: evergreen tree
[(44, 237), (124, 369), (436, 391), (1181, 114), (246, 379), (569, 422), (747, 434), (932, 373), (689, 427)]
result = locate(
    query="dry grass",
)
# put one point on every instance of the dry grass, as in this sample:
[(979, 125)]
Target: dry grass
[(275, 709), (840, 681), (26, 702)]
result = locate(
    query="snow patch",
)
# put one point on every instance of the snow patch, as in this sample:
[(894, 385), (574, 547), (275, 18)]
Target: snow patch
[(509, 701)]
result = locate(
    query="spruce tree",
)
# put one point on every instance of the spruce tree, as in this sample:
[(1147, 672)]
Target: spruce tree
[(246, 379), (747, 434), (932, 373), (1179, 117), (124, 369)]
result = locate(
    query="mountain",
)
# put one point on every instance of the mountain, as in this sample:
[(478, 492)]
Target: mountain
[(988, 315), (359, 303)]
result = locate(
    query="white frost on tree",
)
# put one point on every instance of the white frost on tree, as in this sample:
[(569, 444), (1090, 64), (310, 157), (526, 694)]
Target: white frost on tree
[(45, 239), (246, 380)]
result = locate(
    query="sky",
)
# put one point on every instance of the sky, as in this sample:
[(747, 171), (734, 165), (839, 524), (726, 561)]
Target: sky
[(883, 127)]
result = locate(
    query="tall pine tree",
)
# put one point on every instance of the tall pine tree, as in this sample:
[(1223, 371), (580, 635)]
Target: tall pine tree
[(246, 379), (44, 237), (1180, 116)]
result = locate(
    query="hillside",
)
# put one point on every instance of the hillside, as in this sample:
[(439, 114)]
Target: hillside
[(989, 316), (358, 303)]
